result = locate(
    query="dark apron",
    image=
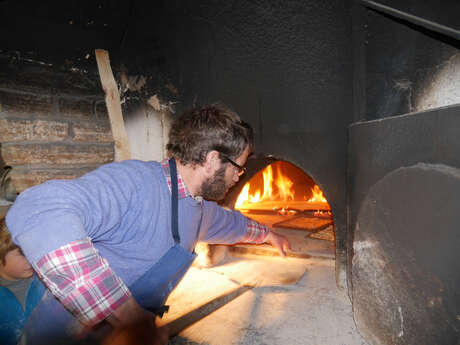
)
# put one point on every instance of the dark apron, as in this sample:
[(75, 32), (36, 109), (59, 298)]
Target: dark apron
[(51, 323)]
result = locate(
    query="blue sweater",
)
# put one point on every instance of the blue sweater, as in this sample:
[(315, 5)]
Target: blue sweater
[(12, 316), (125, 208)]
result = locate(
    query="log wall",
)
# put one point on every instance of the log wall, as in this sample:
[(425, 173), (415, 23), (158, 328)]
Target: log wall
[(53, 124)]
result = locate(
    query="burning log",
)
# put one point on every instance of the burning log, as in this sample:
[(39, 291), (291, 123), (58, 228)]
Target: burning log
[(314, 213), (298, 205)]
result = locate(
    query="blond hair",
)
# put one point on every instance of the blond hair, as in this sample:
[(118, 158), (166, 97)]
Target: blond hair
[(6, 242)]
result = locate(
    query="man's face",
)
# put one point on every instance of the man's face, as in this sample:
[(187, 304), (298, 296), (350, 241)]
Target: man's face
[(215, 187), (16, 266)]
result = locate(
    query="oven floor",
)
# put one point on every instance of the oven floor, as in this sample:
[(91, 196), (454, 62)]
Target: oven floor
[(302, 243), (288, 301)]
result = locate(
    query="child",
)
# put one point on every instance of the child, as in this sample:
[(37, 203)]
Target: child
[(20, 289)]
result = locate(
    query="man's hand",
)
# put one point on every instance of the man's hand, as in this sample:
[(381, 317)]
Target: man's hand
[(133, 325), (144, 332), (279, 242), (128, 313)]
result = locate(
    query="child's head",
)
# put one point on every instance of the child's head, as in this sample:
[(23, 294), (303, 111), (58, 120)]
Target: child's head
[(13, 264)]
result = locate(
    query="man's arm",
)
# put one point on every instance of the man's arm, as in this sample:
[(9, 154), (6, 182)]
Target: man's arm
[(84, 282), (87, 287), (230, 226), (129, 312), (259, 233)]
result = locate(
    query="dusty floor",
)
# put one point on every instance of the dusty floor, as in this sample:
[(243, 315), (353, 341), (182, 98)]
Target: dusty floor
[(309, 311)]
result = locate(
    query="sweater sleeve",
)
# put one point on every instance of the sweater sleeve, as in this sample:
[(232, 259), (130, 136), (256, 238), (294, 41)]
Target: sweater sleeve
[(225, 226)]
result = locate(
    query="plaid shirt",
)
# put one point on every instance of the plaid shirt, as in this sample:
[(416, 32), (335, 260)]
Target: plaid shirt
[(85, 284), (83, 281)]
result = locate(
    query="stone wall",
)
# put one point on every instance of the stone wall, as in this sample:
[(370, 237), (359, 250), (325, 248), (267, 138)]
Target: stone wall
[(53, 124)]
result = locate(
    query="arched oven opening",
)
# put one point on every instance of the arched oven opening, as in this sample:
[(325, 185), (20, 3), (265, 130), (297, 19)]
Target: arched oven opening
[(281, 195)]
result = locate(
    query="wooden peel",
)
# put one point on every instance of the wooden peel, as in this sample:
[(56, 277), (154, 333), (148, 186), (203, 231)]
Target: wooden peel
[(244, 274), (179, 324), (142, 333)]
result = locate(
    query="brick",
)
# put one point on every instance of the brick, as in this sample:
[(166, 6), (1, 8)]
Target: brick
[(56, 153), (78, 84), (24, 104), (26, 78), (23, 178), (81, 108), (96, 132), (48, 80), (13, 130)]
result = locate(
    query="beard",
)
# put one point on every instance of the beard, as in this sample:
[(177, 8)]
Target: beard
[(215, 188)]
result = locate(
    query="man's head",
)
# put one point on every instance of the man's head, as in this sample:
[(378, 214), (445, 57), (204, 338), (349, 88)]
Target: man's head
[(214, 139), (13, 264), (212, 127)]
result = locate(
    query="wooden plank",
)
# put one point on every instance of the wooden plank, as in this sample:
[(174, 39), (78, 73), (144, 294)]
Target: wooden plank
[(27, 176), (178, 325), (85, 109), (56, 153), (289, 204), (112, 100), (18, 130), (26, 104), (304, 223), (94, 131)]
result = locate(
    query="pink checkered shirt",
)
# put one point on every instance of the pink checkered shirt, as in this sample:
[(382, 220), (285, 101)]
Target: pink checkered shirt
[(83, 281), (85, 284)]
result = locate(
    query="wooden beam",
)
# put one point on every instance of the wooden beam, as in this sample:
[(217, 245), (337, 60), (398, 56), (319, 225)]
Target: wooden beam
[(112, 101), (427, 24)]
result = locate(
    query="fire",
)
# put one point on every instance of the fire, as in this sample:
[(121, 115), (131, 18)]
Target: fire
[(278, 190), (317, 195), (282, 183)]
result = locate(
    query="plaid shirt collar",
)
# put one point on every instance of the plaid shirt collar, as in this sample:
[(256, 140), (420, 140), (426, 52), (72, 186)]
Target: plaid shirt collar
[(183, 191)]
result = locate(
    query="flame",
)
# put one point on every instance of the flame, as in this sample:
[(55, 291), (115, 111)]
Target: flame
[(274, 189), (243, 197), (284, 186), (268, 179), (317, 195)]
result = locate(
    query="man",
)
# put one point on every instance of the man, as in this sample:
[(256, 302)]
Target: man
[(111, 245)]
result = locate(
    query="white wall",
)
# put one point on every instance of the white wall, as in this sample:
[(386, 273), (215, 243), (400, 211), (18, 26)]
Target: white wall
[(147, 131)]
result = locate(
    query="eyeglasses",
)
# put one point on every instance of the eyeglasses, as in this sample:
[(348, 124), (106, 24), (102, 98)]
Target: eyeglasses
[(241, 170)]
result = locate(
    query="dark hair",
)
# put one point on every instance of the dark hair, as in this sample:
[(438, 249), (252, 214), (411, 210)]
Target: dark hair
[(6, 242), (212, 127)]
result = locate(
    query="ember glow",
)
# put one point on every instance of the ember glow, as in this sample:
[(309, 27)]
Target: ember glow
[(279, 192)]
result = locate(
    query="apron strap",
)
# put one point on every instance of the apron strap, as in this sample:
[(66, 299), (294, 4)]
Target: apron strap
[(197, 237), (174, 200)]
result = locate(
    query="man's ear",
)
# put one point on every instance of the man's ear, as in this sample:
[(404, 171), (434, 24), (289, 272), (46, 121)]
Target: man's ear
[(212, 162)]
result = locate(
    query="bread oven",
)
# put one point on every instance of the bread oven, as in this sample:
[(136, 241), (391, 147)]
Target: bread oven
[(359, 98)]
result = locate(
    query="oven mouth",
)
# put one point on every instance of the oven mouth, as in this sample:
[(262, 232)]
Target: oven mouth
[(282, 196)]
